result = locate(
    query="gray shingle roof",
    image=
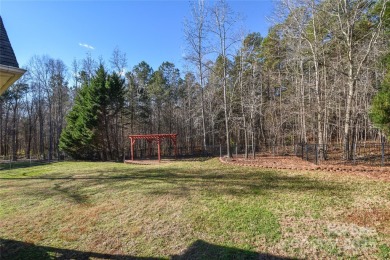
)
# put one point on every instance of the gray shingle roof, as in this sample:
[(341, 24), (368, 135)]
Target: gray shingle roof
[(7, 55)]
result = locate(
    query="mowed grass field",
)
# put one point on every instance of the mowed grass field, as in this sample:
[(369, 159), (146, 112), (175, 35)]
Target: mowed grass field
[(189, 210)]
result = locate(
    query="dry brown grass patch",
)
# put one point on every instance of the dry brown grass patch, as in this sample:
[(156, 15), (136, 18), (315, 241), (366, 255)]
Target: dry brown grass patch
[(379, 218)]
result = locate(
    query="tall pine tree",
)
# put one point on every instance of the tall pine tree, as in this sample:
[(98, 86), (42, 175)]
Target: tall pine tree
[(380, 109), (87, 134)]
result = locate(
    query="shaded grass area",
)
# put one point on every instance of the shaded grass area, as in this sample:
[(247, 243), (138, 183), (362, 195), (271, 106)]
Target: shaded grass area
[(10, 249), (191, 209), (12, 165)]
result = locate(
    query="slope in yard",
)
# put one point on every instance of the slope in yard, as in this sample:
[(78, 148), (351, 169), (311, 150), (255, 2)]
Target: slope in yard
[(198, 210)]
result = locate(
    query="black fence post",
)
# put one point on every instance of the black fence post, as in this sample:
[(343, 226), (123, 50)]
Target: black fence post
[(307, 153), (325, 151), (303, 154), (316, 151), (383, 153)]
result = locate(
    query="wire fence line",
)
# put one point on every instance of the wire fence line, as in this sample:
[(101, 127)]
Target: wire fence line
[(9, 161), (219, 150), (375, 154)]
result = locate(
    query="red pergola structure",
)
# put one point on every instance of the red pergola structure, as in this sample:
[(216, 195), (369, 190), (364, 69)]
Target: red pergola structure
[(150, 138)]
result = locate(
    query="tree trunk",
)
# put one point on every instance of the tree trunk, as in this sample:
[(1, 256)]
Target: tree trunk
[(348, 110), (225, 106)]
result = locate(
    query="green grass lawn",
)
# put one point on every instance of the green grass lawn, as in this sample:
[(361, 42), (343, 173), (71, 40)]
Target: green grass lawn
[(189, 209)]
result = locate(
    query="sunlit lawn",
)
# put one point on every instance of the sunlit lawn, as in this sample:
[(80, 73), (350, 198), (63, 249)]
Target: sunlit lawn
[(190, 209)]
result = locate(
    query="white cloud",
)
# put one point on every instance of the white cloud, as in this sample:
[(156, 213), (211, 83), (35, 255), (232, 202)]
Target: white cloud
[(86, 46)]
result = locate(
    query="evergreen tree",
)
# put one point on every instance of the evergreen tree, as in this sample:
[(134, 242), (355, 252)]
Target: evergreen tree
[(87, 134), (380, 110), (77, 138)]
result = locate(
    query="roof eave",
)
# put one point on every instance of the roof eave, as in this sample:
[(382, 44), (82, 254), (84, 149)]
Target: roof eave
[(8, 76)]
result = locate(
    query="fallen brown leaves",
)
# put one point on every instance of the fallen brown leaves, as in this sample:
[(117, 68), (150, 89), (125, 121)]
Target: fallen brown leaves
[(295, 163), (379, 218)]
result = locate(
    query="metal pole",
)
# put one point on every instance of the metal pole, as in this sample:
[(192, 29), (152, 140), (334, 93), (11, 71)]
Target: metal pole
[(159, 149), (132, 149), (307, 153), (383, 152), (324, 152), (175, 143)]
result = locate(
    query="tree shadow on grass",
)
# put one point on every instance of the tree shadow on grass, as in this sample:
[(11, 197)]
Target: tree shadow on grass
[(263, 182), (71, 193), (180, 181), (23, 164), (203, 250), (11, 249)]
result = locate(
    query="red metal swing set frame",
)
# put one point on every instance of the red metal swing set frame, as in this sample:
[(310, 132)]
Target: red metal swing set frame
[(150, 138)]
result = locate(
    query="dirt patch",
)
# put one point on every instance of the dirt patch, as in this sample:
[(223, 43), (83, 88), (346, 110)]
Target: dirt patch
[(295, 163), (377, 218)]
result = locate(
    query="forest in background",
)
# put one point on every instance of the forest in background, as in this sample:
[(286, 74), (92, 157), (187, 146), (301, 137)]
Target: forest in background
[(319, 76)]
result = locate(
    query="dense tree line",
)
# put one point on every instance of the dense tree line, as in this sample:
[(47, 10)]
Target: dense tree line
[(313, 79), (32, 111)]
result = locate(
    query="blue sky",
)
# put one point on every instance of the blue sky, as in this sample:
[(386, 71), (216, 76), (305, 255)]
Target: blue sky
[(144, 30)]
